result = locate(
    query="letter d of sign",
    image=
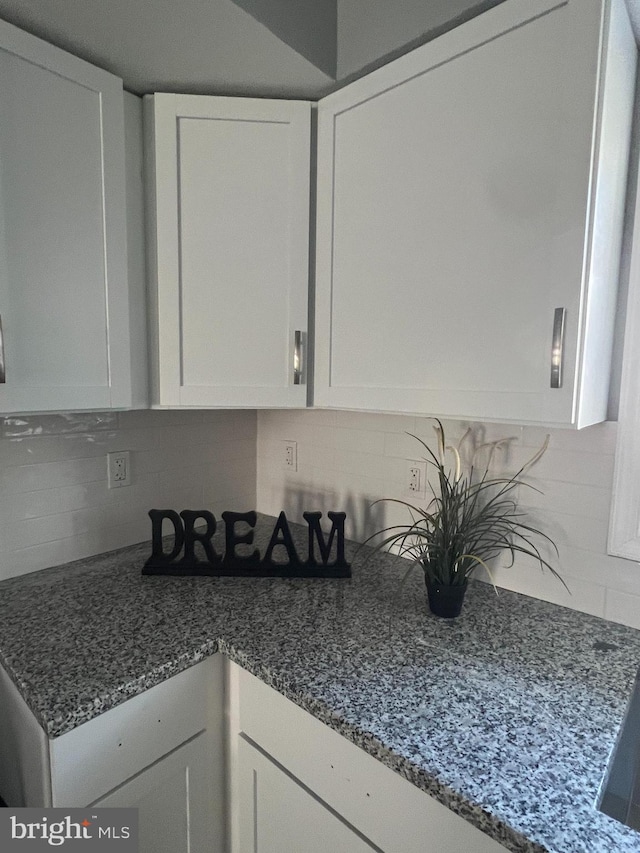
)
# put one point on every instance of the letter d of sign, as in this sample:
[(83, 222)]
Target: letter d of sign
[(157, 516), (185, 534)]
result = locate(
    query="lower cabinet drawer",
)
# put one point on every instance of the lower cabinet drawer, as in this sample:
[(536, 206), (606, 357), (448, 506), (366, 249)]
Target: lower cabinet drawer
[(99, 755), (387, 810)]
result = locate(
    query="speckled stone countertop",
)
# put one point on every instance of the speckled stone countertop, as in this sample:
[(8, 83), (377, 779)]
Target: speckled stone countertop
[(507, 715)]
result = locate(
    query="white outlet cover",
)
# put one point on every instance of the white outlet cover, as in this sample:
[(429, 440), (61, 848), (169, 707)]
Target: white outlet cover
[(118, 469), (421, 466), (290, 455)]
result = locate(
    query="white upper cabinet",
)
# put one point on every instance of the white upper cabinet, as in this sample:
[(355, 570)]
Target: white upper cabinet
[(228, 249), (64, 301), (466, 192)]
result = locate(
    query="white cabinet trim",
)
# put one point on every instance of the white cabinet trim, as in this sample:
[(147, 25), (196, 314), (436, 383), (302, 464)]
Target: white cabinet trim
[(624, 526)]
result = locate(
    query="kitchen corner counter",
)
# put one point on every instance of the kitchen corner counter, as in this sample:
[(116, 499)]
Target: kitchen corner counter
[(508, 715)]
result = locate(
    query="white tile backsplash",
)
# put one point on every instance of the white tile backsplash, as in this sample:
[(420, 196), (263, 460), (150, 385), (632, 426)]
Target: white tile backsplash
[(55, 505), (346, 460), (622, 607), (54, 502)]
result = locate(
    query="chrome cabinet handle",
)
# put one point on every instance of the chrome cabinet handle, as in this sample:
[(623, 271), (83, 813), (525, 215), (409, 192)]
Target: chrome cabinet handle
[(298, 358), (557, 346), (3, 374)]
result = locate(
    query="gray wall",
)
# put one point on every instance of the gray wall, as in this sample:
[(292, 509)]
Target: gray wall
[(369, 31), (308, 26)]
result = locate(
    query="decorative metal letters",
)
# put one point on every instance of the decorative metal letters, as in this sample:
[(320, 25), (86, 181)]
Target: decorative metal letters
[(186, 536)]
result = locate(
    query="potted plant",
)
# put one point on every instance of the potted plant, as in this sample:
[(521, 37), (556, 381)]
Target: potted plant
[(471, 518)]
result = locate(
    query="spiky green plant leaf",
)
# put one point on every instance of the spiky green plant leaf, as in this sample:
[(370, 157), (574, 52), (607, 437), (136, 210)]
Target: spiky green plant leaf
[(470, 519)]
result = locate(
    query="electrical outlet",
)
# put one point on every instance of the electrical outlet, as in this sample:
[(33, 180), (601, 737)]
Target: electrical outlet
[(290, 455), (119, 469), (416, 477)]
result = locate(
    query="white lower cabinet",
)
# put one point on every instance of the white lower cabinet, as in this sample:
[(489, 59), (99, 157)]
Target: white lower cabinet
[(279, 814), (216, 761), (174, 801), (297, 786), (161, 752)]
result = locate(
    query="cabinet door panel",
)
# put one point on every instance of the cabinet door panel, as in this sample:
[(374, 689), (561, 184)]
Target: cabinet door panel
[(454, 202), (63, 286), (53, 225), (278, 814), (231, 264), (472, 271), (174, 802), (238, 274)]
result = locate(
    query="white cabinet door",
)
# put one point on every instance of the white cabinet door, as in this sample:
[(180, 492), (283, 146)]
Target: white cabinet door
[(229, 234), (465, 192), (63, 278), (297, 785), (278, 814), (174, 802)]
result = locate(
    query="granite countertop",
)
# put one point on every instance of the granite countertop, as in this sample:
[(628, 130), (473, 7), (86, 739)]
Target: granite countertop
[(507, 715)]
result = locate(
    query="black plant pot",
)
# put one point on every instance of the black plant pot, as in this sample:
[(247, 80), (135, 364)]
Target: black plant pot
[(445, 601)]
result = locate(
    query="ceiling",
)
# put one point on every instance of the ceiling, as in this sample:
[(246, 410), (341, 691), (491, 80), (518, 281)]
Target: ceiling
[(198, 46)]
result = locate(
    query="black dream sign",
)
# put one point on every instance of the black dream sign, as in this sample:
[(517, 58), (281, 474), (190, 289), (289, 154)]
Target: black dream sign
[(192, 527)]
